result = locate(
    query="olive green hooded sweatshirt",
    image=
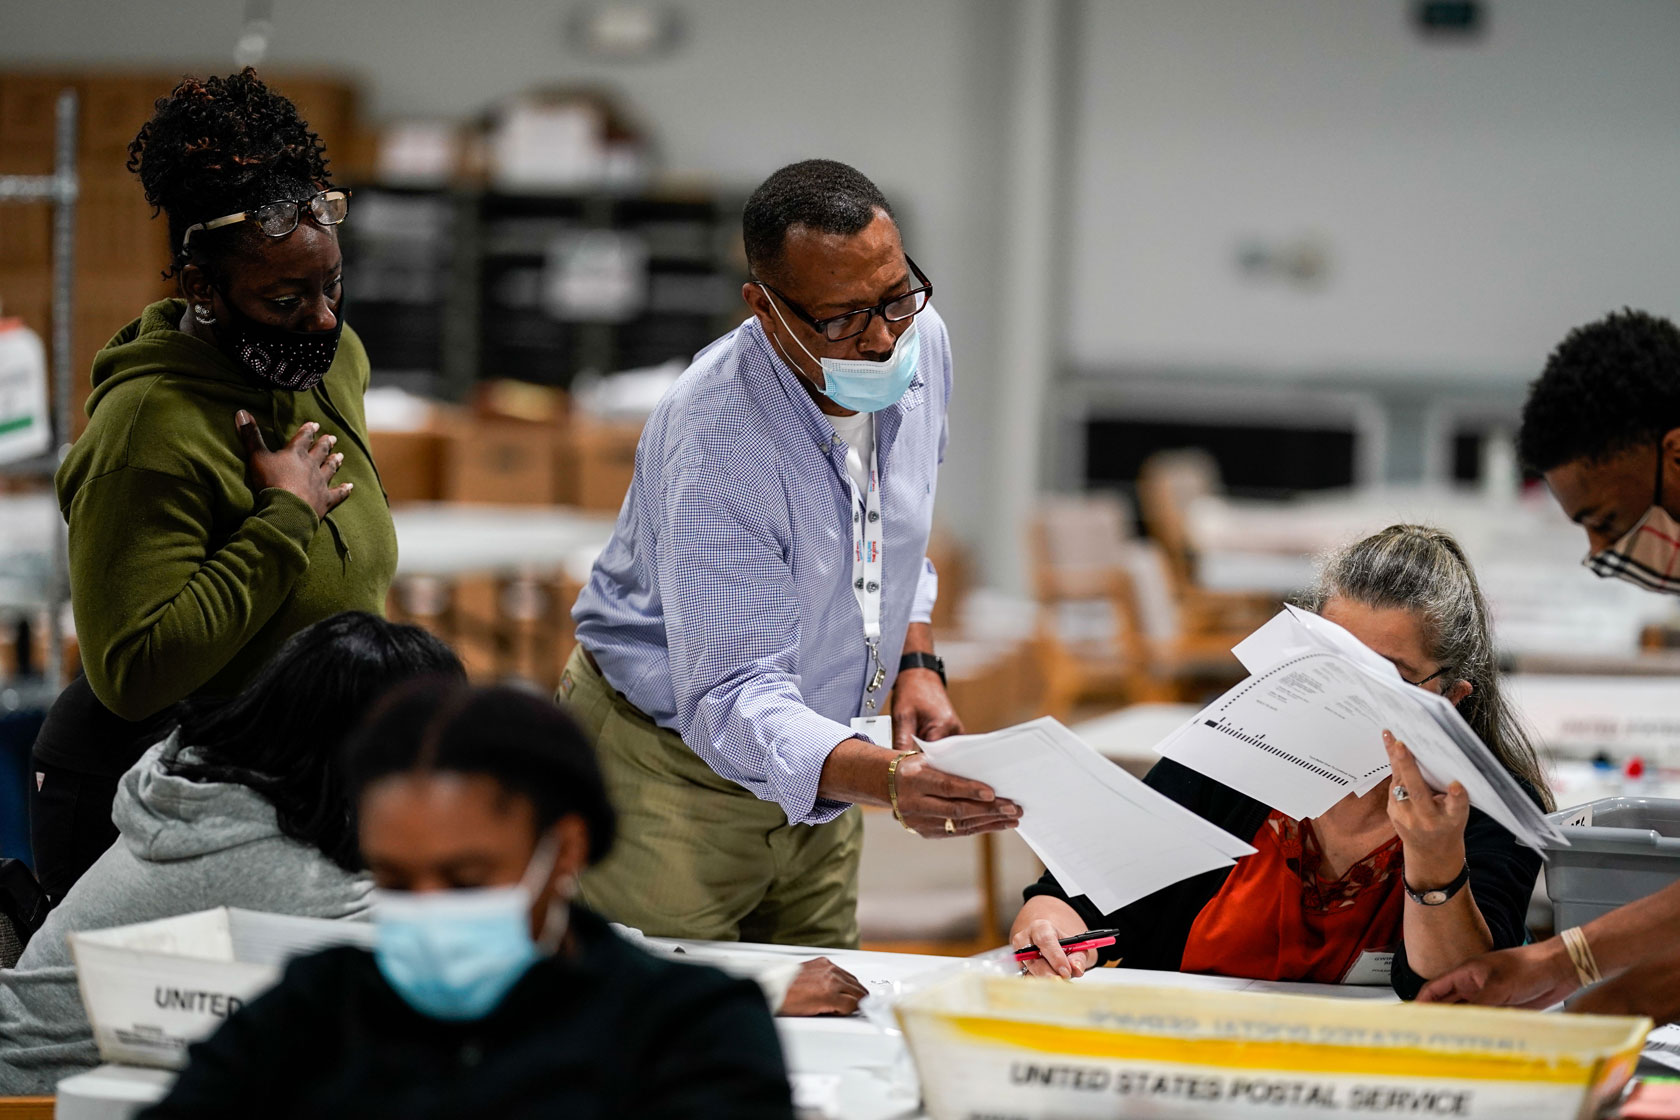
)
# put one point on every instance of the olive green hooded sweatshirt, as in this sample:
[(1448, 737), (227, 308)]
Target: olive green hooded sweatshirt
[(181, 579)]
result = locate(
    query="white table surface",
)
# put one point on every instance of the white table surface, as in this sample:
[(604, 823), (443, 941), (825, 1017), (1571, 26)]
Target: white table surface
[(27, 525), (870, 1063), (1526, 553), (1128, 735), (111, 1092), (1581, 715), (444, 539), (433, 538)]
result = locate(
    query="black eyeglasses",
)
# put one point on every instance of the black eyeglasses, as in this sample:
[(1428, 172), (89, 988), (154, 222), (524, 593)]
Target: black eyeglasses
[(1443, 669), (278, 218), (895, 309)]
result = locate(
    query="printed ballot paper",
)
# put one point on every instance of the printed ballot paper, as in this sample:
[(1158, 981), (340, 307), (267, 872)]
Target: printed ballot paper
[(1305, 730), (1102, 832)]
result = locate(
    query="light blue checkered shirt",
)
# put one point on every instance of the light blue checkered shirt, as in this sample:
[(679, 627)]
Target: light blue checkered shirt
[(723, 605)]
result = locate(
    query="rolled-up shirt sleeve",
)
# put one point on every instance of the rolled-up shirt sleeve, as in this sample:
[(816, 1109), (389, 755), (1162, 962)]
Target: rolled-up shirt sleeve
[(927, 593), (927, 584), (732, 623)]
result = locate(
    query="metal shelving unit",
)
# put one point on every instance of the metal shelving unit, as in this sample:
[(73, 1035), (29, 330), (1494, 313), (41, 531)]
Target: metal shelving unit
[(475, 272), (61, 189)]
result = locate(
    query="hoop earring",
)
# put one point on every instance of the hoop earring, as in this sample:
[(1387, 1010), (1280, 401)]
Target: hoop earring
[(203, 314)]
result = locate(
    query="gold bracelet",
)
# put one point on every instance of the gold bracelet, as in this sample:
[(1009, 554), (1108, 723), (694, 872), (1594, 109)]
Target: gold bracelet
[(1581, 956), (892, 789)]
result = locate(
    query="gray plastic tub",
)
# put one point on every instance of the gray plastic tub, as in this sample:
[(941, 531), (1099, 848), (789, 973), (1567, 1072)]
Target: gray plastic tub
[(1620, 849)]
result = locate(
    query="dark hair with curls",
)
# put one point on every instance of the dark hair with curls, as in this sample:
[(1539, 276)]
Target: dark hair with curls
[(217, 146), (526, 744), (1609, 386), (282, 735)]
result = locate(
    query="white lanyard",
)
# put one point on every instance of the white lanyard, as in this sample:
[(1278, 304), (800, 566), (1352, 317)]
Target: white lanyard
[(866, 576)]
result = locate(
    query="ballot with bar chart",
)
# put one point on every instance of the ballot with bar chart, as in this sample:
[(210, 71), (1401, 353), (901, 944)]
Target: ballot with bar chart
[(1304, 730)]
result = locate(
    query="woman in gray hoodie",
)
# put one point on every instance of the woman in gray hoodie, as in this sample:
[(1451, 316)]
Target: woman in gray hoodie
[(243, 804)]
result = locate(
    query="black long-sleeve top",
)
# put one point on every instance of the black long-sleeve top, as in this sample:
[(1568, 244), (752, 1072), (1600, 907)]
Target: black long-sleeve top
[(609, 1032), (1153, 930)]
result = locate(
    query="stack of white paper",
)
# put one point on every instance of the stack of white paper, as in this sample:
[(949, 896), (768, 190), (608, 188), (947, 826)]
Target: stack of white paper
[(1663, 1046), (1102, 832), (1305, 730)]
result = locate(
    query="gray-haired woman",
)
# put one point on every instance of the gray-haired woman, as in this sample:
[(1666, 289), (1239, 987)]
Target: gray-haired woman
[(1382, 886)]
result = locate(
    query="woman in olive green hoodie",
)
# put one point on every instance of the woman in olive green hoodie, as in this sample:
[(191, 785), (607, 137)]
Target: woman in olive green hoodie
[(195, 550)]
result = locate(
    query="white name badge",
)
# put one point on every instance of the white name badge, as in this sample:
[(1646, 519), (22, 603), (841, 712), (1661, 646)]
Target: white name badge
[(1371, 969), (877, 729), (1578, 818)]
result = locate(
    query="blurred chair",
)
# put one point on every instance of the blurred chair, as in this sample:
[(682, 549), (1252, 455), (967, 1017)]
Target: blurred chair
[(1088, 642), (950, 897), (1168, 484), (1179, 664), (1110, 625)]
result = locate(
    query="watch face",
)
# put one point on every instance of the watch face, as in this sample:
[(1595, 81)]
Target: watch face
[(1434, 898)]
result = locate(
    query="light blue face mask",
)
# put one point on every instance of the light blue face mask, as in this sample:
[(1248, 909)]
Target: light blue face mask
[(455, 954), (861, 385)]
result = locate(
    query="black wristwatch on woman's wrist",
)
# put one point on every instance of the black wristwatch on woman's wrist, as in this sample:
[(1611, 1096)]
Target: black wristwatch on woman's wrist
[(1440, 895), (924, 661)]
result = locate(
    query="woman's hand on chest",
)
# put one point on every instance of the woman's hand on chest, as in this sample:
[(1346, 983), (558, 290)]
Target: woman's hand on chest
[(304, 466)]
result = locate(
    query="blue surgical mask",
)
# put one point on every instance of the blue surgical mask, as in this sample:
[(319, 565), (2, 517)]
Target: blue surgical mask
[(455, 954), (861, 385)]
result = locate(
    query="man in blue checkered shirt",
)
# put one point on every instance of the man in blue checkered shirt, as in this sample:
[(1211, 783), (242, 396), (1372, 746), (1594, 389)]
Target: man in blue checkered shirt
[(767, 588)]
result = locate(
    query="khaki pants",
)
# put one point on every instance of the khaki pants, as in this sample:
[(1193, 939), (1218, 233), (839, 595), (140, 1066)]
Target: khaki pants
[(697, 855)]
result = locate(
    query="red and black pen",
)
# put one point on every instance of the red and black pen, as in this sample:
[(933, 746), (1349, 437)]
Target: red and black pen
[(1079, 942)]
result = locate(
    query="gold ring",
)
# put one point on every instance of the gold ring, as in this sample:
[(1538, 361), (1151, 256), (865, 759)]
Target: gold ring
[(950, 827)]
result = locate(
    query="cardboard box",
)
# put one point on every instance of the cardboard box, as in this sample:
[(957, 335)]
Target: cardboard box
[(596, 462), (994, 1045), (330, 106), (117, 239), (952, 561), (153, 989), (100, 309), (110, 115), (26, 235), (27, 294), (28, 104), (410, 464), (502, 462), (508, 399)]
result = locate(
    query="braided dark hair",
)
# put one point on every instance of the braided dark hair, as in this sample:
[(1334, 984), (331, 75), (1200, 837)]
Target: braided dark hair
[(216, 146)]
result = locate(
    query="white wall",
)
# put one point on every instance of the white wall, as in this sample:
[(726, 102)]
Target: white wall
[(1477, 200), (908, 93)]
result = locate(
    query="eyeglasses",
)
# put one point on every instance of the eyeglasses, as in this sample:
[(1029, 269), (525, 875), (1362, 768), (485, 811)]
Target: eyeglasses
[(896, 309), (278, 218), (1443, 669)]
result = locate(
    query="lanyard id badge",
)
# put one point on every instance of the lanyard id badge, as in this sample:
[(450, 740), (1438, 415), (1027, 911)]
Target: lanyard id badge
[(866, 581)]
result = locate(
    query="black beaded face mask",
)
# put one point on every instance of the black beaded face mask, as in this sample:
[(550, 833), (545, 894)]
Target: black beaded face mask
[(295, 360)]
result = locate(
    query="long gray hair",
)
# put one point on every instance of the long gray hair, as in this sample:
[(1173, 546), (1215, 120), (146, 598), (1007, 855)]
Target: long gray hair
[(1423, 570)]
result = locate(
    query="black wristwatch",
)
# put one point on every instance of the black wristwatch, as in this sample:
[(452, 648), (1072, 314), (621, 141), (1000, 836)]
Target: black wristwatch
[(1439, 895), (924, 661)]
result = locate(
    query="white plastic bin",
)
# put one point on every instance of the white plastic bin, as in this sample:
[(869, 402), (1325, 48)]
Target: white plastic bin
[(1620, 849)]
